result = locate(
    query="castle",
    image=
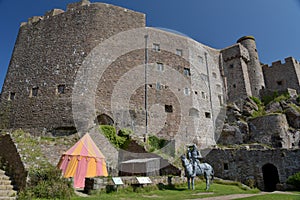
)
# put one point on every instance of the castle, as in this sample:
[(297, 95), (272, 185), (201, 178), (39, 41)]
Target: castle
[(60, 81)]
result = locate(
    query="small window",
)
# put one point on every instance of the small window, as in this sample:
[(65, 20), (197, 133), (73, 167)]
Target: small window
[(203, 95), (11, 96), (231, 65), (225, 165), (200, 58), (160, 66), (279, 82), (234, 85), (156, 47), (214, 74), (186, 91), (158, 86), (186, 72), (220, 100), (61, 89), (168, 108), (207, 115), (34, 91), (179, 52), (193, 112)]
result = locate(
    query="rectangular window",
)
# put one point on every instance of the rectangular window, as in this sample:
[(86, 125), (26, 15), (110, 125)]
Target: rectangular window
[(200, 58), (207, 115), (225, 166), (214, 74), (279, 82), (34, 91), (179, 52), (156, 47), (61, 89), (186, 72), (220, 100), (158, 86), (11, 96), (186, 91), (160, 66), (203, 95), (168, 108)]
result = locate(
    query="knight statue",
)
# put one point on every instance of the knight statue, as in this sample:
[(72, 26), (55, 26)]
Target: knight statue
[(193, 154)]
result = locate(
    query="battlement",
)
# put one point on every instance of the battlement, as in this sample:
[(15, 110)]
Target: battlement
[(288, 61), (72, 7), (235, 51), (75, 5)]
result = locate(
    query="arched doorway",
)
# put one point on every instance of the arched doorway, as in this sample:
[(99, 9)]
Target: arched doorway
[(271, 177), (104, 119)]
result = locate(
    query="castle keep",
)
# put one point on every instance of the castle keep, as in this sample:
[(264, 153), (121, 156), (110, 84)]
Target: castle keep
[(50, 50), (97, 63)]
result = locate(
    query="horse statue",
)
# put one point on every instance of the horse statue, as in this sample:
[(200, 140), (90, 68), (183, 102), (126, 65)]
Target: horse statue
[(201, 169)]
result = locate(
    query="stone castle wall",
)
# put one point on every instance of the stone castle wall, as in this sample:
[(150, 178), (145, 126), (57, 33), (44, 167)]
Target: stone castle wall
[(235, 70), (245, 165), (51, 49), (48, 52), (280, 76)]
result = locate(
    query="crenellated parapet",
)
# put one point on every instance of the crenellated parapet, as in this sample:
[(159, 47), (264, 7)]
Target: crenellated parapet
[(75, 5), (235, 51), (288, 62), (281, 75)]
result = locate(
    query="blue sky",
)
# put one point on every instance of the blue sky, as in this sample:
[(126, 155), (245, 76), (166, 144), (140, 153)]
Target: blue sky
[(216, 23)]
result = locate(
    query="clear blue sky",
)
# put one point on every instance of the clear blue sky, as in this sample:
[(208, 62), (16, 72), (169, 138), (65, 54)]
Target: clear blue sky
[(216, 23)]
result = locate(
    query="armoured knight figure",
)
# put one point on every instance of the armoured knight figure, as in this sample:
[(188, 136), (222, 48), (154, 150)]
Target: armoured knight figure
[(194, 155)]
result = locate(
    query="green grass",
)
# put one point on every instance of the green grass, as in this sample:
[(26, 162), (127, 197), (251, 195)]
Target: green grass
[(179, 192), (274, 197)]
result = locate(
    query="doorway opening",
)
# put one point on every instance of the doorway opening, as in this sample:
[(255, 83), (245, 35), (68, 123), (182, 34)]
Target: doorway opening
[(271, 177)]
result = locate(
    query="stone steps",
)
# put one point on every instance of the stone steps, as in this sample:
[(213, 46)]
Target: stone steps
[(6, 187)]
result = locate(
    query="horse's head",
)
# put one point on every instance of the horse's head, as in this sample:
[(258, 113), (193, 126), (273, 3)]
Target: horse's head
[(184, 160)]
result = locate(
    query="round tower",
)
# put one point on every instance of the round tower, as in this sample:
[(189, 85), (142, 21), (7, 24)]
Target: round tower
[(254, 67)]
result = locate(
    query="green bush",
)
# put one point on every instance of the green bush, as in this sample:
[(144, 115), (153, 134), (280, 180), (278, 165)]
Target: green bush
[(294, 180), (119, 141), (257, 101), (156, 143), (275, 97), (298, 99), (47, 183), (261, 108)]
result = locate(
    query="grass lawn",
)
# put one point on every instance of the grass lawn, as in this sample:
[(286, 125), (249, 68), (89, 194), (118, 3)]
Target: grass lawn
[(274, 197), (179, 192)]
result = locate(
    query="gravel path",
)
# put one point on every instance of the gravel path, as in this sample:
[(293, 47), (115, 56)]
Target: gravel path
[(228, 197), (238, 196)]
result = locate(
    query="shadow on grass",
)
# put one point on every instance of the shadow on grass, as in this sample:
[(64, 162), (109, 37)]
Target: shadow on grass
[(162, 186)]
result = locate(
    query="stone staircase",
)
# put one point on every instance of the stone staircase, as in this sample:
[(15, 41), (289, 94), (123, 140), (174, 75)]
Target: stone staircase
[(6, 187)]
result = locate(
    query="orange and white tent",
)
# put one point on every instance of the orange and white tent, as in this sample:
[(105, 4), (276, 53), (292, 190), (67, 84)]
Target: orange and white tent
[(83, 160)]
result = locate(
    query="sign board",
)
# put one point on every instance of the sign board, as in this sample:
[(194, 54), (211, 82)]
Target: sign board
[(117, 181), (143, 180)]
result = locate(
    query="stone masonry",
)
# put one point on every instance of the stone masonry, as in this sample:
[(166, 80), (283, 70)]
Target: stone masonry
[(164, 83)]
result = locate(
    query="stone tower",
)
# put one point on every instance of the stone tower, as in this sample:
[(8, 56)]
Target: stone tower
[(254, 67)]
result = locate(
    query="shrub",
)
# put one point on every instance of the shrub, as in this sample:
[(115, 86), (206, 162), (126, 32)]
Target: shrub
[(275, 97), (261, 108), (119, 141), (294, 180), (47, 183), (156, 143)]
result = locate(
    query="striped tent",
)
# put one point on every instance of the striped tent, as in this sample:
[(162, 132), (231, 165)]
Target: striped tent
[(82, 160)]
